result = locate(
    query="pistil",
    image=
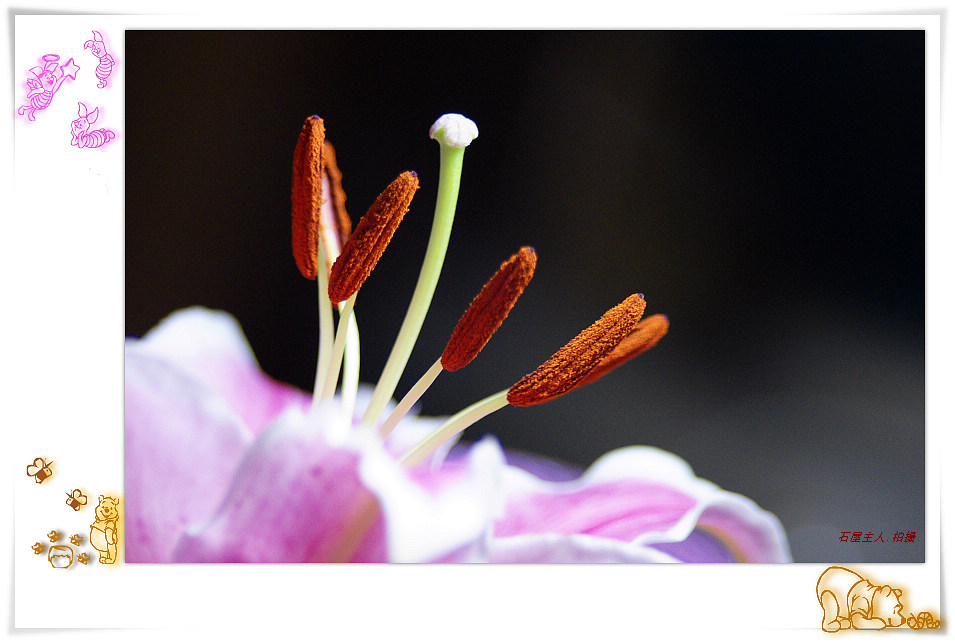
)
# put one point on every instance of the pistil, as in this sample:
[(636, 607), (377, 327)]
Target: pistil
[(453, 133)]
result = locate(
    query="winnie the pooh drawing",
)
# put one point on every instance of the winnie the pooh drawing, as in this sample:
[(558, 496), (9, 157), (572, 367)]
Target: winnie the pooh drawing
[(103, 533), (850, 601)]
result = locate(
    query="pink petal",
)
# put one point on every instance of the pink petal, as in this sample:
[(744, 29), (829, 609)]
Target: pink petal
[(621, 510), (291, 500), (632, 502), (700, 546), (752, 534), (183, 444), (297, 494), (210, 346)]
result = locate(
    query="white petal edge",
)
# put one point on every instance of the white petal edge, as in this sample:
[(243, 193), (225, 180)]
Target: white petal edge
[(571, 548), (185, 334), (656, 465), (421, 526)]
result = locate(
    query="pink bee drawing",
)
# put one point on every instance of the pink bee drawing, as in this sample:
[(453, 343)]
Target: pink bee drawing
[(49, 77), (82, 136), (106, 62)]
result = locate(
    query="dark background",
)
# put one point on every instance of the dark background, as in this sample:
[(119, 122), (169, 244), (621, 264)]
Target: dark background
[(763, 189)]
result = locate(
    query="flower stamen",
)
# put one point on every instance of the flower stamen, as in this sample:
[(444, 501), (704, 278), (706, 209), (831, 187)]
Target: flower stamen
[(311, 251), (451, 427), (563, 372), (370, 239), (336, 228), (489, 309), (316, 219), (568, 366), (358, 259), (334, 177), (484, 316), (307, 166), (645, 336)]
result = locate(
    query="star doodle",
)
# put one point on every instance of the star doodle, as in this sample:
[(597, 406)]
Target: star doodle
[(69, 69)]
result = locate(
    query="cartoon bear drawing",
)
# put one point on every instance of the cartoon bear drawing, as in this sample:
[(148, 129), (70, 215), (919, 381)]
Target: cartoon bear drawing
[(103, 533), (850, 601)]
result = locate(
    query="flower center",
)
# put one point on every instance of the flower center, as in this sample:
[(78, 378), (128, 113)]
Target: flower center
[(341, 262)]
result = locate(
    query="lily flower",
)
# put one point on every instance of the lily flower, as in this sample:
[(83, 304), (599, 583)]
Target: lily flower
[(225, 464)]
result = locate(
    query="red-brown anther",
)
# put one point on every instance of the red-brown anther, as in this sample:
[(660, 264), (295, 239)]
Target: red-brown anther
[(307, 166), (371, 237), (342, 220), (568, 366), (644, 337), (489, 309)]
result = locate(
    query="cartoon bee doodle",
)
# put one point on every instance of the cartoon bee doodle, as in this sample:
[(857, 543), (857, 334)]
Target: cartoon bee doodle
[(82, 137), (49, 77), (106, 62), (75, 499), (39, 470)]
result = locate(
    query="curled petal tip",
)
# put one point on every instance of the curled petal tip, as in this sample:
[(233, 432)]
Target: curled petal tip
[(454, 129)]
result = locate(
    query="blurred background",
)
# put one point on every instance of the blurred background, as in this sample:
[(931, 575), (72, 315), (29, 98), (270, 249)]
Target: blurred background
[(764, 189)]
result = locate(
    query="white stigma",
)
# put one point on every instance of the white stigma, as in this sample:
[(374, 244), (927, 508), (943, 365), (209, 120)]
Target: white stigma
[(456, 130)]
